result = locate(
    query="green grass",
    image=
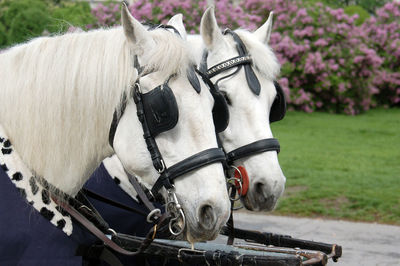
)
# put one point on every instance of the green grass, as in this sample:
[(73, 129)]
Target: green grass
[(342, 167)]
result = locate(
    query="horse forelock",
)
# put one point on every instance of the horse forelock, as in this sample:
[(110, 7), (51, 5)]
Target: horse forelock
[(57, 98), (262, 55), (179, 56)]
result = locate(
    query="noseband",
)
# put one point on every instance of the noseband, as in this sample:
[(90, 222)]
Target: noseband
[(278, 108)]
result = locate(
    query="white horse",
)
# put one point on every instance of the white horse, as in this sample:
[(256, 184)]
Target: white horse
[(249, 113), (58, 96)]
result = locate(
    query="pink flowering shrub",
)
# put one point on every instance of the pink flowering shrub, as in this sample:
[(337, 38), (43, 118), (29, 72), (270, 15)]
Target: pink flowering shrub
[(328, 62), (328, 66), (158, 11), (107, 15), (383, 35)]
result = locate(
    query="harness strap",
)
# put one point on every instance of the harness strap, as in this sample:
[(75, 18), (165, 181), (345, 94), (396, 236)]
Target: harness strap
[(142, 195), (81, 203), (112, 202), (115, 121), (102, 236), (230, 223), (256, 147)]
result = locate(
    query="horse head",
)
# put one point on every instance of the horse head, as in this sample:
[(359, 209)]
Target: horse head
[(177, 110), (254, 99)]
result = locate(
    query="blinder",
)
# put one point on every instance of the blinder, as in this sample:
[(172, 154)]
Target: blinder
[(160, 109), (278, 108), (220, 110)]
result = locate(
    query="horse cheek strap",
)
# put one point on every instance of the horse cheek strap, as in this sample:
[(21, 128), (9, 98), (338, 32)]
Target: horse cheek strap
[(252, 80), (194, 81)]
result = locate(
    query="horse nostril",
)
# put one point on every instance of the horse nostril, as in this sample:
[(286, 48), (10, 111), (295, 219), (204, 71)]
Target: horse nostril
[(207, 217), (263, 196), (259, 188)]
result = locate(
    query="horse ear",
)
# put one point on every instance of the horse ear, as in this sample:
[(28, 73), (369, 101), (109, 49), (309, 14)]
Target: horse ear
[(135, 32), (264, 32), (209, 29), (177, 22)]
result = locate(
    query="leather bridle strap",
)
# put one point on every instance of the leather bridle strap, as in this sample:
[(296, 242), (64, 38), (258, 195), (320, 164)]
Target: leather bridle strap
[(92, 228), (256, 147), (102, 236), (191, 163), (142, 195), (116, 204), (251, 77)]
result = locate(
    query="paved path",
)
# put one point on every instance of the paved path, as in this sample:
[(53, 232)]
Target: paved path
[(363, 243)]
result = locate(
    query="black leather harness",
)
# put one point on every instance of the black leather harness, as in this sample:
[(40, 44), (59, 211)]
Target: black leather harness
[(278, 108)]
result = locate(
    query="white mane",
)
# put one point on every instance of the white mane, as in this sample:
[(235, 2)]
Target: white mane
[(58, 96), (262, 55)]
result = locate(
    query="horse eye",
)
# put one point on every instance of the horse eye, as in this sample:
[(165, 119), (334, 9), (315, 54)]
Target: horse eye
[(228, 101)]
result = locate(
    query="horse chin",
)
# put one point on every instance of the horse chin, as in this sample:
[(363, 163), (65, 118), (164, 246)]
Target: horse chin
[(193, 236), (252, 204)]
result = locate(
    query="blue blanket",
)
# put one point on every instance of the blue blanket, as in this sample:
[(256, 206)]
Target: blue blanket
[(27, 238)]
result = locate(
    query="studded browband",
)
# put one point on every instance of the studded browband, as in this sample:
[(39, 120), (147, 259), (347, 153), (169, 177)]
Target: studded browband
[(221, 67)]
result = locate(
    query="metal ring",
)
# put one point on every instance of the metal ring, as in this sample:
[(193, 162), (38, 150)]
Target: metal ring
[(236, 179), (137, 86), (171, 224), (238, 195), (150, 215), (112, 231), (171, 230), (85, 207), (163, 167), (237, 169)]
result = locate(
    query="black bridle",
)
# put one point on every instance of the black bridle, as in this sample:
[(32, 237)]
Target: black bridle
[(145, 105), (244, 60), (157, 112)]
